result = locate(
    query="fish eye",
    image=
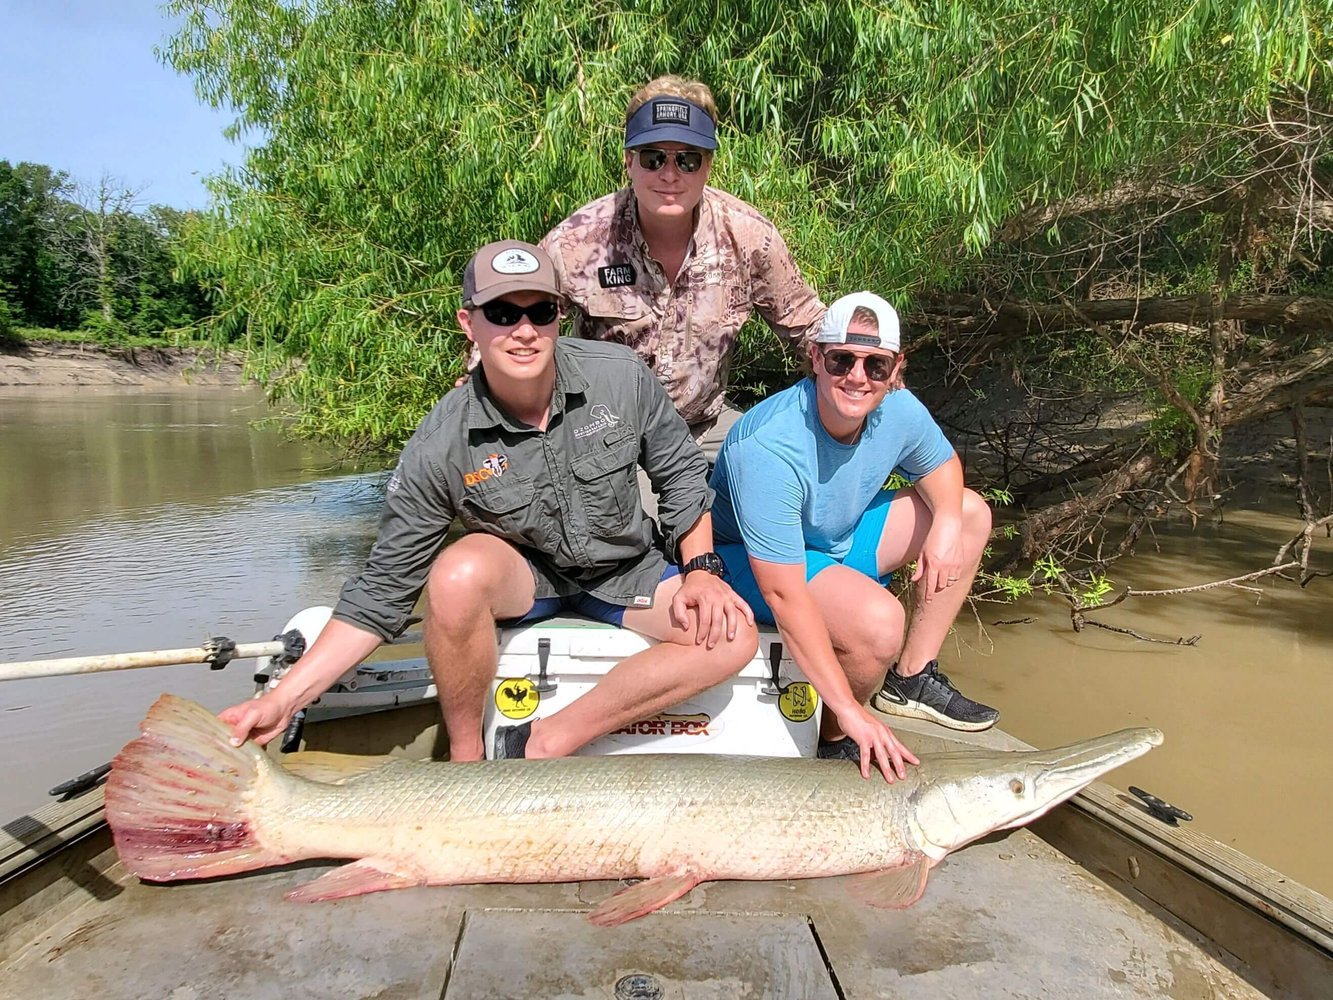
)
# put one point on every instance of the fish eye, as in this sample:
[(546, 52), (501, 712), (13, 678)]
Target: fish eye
[(1016, 787)]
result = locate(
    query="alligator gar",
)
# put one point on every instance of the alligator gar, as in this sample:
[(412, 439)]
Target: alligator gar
[(183, 803)]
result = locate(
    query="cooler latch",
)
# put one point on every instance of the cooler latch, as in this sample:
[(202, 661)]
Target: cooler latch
[(773, 686), (543, 684)]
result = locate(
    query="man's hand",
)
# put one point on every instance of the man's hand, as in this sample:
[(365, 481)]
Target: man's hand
[(942, 562), (259, 719), (718, 608), (877, 743)]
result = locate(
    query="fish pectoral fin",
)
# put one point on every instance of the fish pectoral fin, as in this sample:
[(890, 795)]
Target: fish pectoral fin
[(643, 897), (355, 879), (893, 888), (331, 768)]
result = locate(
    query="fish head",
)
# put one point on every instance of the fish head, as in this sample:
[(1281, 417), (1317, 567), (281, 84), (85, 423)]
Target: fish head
[(966, 795)]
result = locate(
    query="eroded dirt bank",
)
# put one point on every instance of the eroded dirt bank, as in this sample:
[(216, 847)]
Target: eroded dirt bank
[(45, 363)]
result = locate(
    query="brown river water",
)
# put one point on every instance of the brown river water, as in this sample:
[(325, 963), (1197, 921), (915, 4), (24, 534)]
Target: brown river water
[(142, 520)]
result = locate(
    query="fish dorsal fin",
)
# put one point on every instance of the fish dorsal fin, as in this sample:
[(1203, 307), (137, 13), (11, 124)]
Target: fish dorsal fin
[(893, 888), (331, 768)]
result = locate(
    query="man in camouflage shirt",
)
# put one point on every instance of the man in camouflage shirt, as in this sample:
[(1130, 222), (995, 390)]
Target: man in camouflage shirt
[(672, 267)]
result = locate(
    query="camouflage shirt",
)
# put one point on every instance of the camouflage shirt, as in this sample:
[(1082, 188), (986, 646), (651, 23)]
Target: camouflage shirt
[(685, 331)]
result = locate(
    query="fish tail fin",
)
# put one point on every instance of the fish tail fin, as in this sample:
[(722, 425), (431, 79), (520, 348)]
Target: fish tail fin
[(180, 798)]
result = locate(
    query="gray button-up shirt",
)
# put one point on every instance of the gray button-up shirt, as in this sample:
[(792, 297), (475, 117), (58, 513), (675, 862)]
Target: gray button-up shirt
[(566, 497)]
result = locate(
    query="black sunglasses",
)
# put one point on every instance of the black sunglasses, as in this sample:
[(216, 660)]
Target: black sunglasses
[(878, 367), (503, 313), (654, 159)]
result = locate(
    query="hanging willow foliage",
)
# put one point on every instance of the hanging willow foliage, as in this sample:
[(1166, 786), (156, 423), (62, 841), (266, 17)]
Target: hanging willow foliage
[(888, 141)]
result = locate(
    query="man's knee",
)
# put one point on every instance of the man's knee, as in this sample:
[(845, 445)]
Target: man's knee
[(874, 629), (976, 517), (461, 582)]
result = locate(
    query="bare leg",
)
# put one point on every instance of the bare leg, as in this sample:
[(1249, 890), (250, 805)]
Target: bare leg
[(674, 669), (865, 624), (904, 535), (475, 582)]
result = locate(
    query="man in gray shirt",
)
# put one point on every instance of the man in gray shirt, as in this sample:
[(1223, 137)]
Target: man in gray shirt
[(537, 457)]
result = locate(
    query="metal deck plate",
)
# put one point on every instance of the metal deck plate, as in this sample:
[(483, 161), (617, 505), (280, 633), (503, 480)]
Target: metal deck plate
[(559, 955)]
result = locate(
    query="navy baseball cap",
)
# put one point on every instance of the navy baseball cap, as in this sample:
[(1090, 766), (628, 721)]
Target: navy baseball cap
[(670, 119)]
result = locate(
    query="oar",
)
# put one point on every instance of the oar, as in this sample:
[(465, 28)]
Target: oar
[(216, 652)]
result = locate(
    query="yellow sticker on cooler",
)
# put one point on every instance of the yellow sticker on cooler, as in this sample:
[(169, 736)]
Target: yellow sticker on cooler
[(798, 701), (517, 698)]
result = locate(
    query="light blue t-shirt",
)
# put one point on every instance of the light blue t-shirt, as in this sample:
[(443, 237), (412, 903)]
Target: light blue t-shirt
[(784, 485)]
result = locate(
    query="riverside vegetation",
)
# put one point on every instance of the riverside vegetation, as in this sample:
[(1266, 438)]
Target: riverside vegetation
[(1108, 224)]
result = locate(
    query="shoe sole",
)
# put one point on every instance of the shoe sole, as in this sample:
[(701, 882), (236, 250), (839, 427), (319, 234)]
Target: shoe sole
[(919, 711)]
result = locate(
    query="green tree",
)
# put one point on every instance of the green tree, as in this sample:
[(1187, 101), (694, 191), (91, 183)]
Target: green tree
[(890, 143), (30, 196)]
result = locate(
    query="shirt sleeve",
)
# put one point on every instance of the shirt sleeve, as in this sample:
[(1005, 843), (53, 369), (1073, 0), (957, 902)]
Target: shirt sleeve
[(417, 514), (767, 499), (926, 447), (675, 465), (782, 296)]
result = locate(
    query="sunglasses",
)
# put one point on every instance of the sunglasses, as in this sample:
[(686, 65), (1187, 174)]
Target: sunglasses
[(654, 159), (502, 313), (878, 367)]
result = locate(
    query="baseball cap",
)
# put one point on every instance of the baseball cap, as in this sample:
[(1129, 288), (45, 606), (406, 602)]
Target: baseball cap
[(508, 266), (670, 119), (834, 328)]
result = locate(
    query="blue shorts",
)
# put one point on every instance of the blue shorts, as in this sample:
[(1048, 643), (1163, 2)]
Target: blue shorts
[(863, 556), (581, 603)]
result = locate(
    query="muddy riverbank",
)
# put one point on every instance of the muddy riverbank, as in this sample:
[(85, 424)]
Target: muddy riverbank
[(53, 364)]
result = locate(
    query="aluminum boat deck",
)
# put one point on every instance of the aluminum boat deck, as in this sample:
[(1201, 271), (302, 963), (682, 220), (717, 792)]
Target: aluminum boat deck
[(1009, 916)]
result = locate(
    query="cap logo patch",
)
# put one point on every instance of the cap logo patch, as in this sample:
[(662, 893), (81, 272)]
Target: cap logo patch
[(863, 339), (514, 261), (671, 113)]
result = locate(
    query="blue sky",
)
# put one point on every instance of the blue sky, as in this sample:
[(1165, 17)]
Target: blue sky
[(82, 91)]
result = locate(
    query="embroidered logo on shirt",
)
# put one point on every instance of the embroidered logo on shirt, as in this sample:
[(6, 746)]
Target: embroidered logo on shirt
[(643, 601), (493, 468), (603, 419), (617, 275), (671, 113)]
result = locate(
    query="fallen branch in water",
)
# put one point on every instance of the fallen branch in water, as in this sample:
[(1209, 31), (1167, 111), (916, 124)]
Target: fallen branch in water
[(1182, 641)]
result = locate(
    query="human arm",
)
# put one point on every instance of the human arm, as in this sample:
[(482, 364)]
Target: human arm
[(716, 605), (806, 636), (781, 295), (676, 468), (339, 648), (942, 561)]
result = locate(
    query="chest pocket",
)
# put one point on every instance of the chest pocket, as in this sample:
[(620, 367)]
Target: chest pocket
[(608, 483), (615, 314), (504, 503)]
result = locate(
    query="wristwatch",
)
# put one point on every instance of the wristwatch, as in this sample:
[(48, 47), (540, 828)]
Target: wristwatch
[(710, 562)]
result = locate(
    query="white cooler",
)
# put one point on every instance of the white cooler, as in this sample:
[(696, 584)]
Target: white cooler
[(768, 709)]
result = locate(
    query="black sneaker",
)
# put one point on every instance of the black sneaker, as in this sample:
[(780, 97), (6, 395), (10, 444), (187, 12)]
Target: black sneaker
[(511, 742), (843, 749), (929, 695)]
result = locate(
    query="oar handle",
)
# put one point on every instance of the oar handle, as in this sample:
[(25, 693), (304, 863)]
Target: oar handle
[(134, 661)]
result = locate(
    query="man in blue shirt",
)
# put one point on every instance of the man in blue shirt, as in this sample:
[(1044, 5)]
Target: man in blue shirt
[(813, 534)]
